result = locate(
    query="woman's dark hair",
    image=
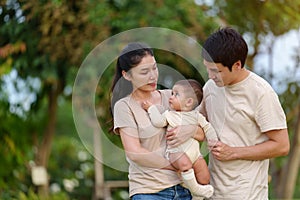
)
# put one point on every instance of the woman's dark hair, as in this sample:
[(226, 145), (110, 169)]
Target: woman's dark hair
[(130, 57), (225, 46)]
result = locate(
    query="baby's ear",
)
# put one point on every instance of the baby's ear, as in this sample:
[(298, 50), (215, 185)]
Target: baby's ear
[(189, 102)]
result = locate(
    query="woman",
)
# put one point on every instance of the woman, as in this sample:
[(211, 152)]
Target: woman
[(151, 176)]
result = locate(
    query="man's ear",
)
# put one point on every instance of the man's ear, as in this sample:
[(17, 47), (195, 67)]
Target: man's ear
[(126, 75), (237, 65)]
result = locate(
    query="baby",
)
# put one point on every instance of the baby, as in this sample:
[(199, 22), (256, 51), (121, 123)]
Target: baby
[(186, 96)]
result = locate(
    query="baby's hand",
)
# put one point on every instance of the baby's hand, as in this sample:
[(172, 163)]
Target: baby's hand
[(146, 105)]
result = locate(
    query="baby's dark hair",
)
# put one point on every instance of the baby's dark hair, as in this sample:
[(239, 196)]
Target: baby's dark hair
[(192, 89)]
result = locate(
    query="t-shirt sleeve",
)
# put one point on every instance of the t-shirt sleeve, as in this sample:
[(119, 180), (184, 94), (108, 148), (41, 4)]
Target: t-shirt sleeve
[(269, 114), (123, 116)]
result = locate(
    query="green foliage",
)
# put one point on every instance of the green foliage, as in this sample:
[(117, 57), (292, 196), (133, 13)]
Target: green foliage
[(14, 151), (291, 102), (33, 196), (185, 17), (261, 16), (258, 18), (49, 40), (70, 162), (17, 150), (70, 165)]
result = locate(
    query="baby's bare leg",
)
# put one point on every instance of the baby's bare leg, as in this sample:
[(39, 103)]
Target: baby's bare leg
[(201, 171), (180, 161)]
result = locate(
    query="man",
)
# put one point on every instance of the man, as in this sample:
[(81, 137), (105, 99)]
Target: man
[(247, 116)]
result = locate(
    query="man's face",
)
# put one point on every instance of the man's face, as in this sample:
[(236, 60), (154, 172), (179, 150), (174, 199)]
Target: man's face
[(219, 73)]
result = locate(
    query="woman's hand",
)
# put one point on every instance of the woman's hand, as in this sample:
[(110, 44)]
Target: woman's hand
[(180, 134)]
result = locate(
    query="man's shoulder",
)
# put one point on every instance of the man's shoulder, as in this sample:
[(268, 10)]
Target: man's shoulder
[(260, 83)]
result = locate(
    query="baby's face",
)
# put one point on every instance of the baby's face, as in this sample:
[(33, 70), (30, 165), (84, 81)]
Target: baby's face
[(177, 99)]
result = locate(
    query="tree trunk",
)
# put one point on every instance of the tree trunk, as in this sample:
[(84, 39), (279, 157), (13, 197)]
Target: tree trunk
[(44, 149), (290, 171)]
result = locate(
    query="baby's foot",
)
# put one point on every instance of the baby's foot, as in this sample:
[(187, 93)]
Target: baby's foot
[(204, 191)]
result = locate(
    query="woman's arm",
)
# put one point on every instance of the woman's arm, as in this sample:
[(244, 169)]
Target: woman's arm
[(180, 134), (139, 154)]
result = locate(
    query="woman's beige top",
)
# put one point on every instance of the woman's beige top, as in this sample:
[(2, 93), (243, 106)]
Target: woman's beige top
[(143, 179)]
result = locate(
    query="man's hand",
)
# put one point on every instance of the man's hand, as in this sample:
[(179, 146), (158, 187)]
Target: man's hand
[(222, 151), (277, 145)]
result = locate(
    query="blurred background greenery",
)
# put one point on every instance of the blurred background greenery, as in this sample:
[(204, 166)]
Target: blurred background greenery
[(44, 42)]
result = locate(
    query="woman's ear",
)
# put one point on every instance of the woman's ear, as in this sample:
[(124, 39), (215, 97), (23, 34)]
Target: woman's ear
[(126, 75)]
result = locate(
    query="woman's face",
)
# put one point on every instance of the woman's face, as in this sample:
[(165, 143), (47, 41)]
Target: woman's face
[(144, 76)]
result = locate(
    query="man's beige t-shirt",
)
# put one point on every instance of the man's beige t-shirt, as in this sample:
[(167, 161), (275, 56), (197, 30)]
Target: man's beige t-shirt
[(240, 113), (143, 179)]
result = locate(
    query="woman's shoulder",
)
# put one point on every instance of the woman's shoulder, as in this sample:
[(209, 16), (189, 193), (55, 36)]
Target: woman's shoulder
[(122, 102)]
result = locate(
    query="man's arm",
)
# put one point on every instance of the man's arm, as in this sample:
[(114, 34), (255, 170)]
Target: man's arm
[(277, 145)]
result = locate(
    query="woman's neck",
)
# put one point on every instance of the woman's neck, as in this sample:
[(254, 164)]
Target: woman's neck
[(141, 95)]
